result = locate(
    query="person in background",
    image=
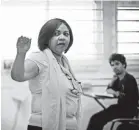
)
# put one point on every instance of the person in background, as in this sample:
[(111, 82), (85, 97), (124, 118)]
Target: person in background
[(124, 87), (56, 94)]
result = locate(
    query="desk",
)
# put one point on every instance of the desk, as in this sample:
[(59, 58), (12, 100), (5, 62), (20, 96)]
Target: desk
[(98, 96)]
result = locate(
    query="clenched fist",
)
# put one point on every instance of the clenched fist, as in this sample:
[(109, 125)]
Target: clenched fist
[(23, 44)]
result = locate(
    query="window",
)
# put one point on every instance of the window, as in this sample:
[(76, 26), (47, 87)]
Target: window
[(128, 30), (131, 26), (20, 20), (84, 21)]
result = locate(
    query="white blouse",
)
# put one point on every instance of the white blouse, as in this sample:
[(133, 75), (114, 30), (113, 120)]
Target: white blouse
[(66, 86)]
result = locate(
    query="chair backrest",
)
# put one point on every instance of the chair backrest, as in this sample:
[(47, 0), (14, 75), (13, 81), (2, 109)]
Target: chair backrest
[(138, 111), (137, 115)]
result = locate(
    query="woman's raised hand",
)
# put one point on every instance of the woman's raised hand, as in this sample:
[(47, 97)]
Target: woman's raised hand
[(23, 44)]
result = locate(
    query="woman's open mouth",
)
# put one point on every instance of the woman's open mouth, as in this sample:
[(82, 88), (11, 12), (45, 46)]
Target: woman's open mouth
[(61, 43)]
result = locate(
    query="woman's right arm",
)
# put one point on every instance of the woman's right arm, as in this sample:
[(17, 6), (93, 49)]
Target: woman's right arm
[(23, 70)]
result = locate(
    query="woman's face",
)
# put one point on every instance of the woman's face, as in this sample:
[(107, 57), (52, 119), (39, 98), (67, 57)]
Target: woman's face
[(60, 40)]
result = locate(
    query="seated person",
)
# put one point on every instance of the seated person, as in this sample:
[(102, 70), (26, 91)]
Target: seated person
[(124, 87)]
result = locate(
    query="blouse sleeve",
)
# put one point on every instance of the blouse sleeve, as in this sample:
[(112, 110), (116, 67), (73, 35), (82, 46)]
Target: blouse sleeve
[(39, 59)]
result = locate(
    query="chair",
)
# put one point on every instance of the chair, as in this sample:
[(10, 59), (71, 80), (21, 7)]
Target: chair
[(134, 120)]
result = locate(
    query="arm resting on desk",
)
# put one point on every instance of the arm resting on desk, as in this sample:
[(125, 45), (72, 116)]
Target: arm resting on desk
[(113, 92)]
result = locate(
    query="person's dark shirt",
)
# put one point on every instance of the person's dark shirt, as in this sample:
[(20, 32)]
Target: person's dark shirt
[(128, 89)]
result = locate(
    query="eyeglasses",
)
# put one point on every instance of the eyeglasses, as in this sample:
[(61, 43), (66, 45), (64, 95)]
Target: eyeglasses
[(74, 90)]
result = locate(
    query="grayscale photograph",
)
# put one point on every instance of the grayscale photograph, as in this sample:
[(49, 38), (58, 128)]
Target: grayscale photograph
[(69, 64)]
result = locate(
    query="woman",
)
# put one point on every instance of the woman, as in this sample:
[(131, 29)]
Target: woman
[(54, 88)]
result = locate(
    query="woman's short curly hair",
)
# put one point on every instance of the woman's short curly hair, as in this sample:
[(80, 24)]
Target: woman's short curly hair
[(47, 31), (119, 57)]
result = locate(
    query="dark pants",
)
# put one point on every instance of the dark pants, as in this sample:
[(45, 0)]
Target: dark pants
[(101, 118), (34, 127)]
